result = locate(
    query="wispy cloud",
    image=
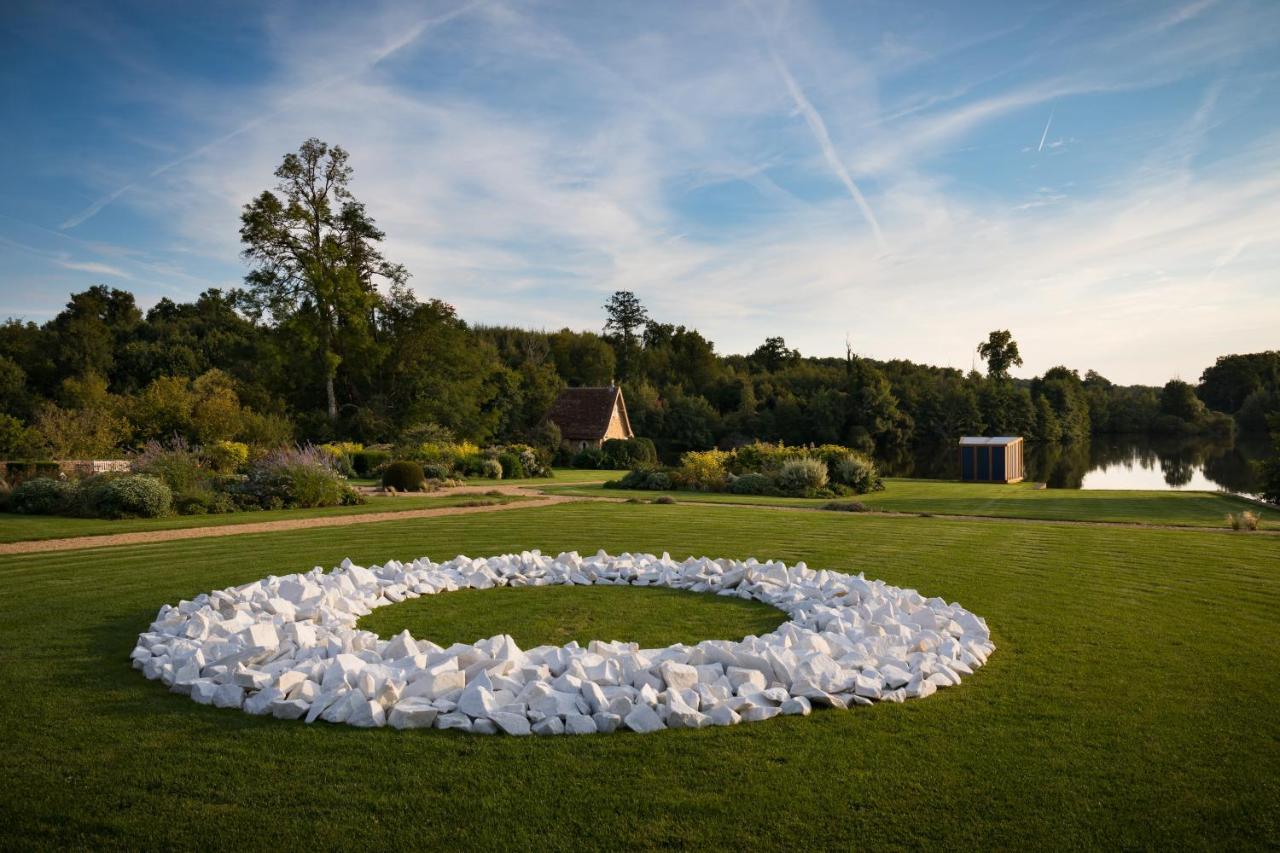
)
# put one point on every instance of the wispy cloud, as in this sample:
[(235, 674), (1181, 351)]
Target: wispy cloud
[(391, 47), (95, 268), (527, 159)]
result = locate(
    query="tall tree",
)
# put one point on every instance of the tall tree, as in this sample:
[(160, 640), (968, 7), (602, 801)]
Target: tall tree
[(625, 317), (316, 258), (1001, 352)]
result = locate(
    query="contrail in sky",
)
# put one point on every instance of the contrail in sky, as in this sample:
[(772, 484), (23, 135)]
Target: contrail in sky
[(818, 128), (1045, 135)]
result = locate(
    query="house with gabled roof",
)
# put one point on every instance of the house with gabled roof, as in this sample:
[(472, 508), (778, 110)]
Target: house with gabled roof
[(587, 417)]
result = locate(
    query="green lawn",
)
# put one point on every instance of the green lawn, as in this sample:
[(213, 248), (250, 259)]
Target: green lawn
[(560, 476), (1131, 702), (17, 528), (1021, 500), (535, 616)]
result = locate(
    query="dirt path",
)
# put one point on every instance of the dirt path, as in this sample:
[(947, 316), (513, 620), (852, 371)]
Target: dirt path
[(147, 536)]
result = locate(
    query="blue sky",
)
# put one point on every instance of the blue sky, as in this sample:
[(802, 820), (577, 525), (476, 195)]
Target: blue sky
[(1101, 178)]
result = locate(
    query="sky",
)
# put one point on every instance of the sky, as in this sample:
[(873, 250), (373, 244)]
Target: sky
[(1101, 178)]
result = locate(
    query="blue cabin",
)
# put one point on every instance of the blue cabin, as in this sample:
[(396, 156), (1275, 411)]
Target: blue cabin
[(996, 459)]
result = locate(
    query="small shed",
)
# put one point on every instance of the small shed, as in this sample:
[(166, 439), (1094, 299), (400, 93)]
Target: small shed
[(995, 459)]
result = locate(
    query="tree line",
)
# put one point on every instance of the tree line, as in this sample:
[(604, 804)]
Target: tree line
[(326, 341)]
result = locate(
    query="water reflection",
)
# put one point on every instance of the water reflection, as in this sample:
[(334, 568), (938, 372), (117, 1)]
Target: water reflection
[(1115, 462)]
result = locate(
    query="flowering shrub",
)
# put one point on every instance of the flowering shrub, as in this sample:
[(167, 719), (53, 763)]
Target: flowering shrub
[(226, 456), (764, 469), (294, 477), (178, 464), (802, 477), (130, 496), (857, 472), (702, 470)]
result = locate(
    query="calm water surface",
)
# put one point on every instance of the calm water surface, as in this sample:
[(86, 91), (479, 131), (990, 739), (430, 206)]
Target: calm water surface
[(1118, 462)]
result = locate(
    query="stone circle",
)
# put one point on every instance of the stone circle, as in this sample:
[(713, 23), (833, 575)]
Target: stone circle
[(289, 647)]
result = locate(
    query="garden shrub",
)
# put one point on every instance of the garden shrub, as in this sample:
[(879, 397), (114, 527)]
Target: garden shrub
[(366, 463), (644, 477), (763, 458), (855, 471), (339, 453), (403, 476), (801, 477), (436, 471), (621, 453), (226, 456), (42, 496), (512, 467), (702, 470), (202, 503), (589, 458), (751, 484), (177, 464), (664, 499), (535, 462), (298, 477), (130, 496), (491, 469)]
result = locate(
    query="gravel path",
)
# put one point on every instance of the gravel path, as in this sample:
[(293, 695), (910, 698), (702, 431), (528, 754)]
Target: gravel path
[(146, 536)]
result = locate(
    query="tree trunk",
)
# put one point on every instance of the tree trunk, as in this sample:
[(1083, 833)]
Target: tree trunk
[(333, 398)]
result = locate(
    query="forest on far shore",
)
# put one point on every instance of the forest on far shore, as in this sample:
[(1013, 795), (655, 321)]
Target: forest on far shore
[(104, 377)]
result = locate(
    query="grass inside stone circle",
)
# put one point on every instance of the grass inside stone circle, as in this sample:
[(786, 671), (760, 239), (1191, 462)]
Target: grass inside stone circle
[(654, 617)]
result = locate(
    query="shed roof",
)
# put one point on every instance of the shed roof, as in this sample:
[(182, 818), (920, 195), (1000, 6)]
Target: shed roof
[(584, 413), (994, 440)]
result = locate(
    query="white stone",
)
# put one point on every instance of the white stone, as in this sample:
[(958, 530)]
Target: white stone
[(454, 721), (643, 719), (723, 715), (606, 722), (476, 701), (414, 713), (288, 709), (291, 647), (579, 724), (548, 726), (678, 675), (512, 724)]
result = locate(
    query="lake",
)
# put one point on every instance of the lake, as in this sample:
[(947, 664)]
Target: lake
[(1116, 462)]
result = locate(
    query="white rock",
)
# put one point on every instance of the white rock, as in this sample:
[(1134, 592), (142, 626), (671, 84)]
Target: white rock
[(723, 715), (643, 719), (453, 721), (606, 722), (548, 726), (288, 709), (579, 724), (294, 645), (512, 724), (228, 696), (760, 712), (414, 713), (476, 701), (678, 675)]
